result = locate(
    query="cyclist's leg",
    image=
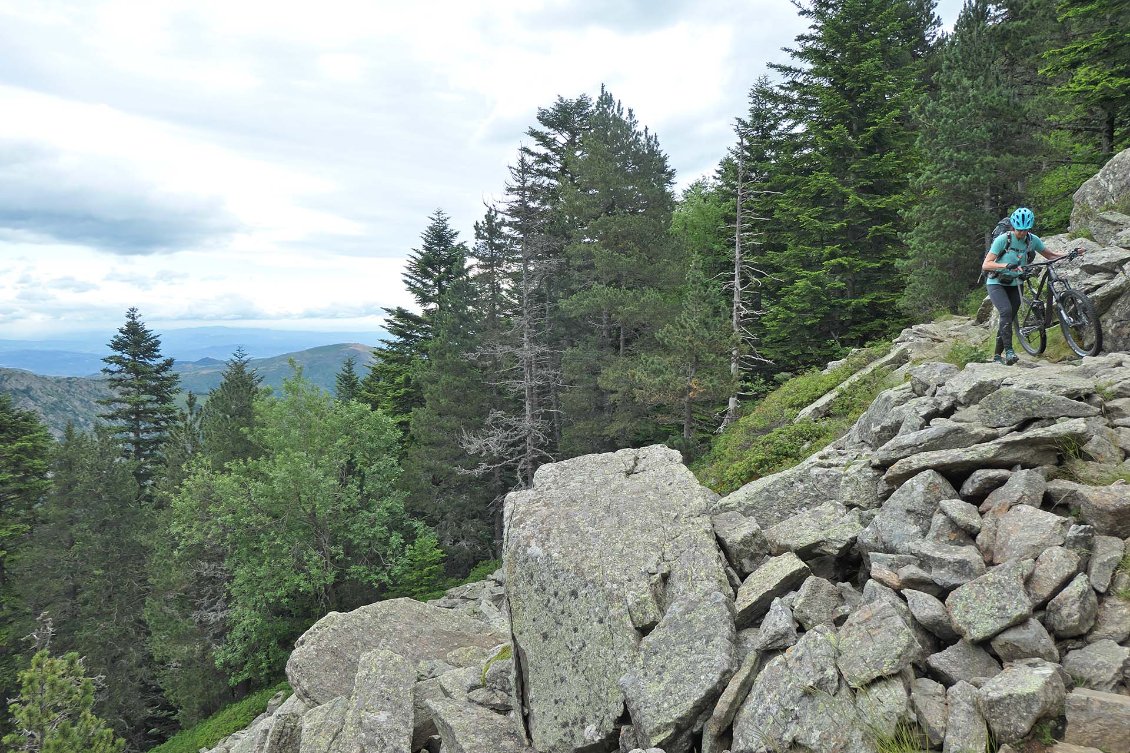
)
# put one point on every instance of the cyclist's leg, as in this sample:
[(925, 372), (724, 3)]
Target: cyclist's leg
[(1007, 300)]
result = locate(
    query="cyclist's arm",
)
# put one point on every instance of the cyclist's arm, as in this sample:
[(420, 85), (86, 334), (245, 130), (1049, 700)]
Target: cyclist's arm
[(991, 264)]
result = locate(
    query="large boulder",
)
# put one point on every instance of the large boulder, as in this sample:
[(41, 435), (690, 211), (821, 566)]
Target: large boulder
[(1023, 694), (1107, 191), (1107, 508), (466, 728), (325, 658), (602, 551), (1099, 720), (905, 517), (992, 603)]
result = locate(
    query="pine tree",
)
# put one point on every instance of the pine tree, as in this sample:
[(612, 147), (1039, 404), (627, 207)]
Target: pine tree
[(144, 386), (622, 272), (54, 712), (853, 82), (25, 447), (441, 261), (966, 135), (347, 385), (228, 416)]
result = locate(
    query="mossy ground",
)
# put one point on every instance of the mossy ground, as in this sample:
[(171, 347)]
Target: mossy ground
[(766, 440)]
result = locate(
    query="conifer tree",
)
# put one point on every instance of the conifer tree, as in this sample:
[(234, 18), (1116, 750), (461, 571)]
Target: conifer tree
[(347, 385), (25, 447), (441, 261), (854, 78), (228, 416), (143, 384)]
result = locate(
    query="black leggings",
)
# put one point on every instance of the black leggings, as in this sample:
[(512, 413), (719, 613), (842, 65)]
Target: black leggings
[(1007, 300)]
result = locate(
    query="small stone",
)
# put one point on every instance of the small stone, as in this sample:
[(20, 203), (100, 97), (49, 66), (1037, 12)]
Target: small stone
[(949, 566), (1028, 640), (742, 541), (928, 700), (1113, 620), (931, 614), (1098, 719), (778, 629), (775, 578), (829, 529), (963, 661), (981, 482), (817, 603), (963, 514), (1106, 554), (1054, 568), (1107, 508), (993, 602), (1102, 665), (966, 731), (1026, 532), (875, 642), (1074, 610), (1080, 539), (1021, 695), (1024, 487)]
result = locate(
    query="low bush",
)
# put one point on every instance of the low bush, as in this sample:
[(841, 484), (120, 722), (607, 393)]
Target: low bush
[(227, 720)]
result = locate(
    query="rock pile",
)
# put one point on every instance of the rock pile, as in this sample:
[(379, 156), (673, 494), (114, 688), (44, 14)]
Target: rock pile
[(955, 567)]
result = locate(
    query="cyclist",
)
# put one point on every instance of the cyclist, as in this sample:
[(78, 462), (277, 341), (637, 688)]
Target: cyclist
[(1004, 264)]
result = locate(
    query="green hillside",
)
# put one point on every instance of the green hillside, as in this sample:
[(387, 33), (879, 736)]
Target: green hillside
[(60, 400)]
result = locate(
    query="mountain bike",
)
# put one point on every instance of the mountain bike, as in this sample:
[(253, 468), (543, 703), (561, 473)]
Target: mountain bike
[(1075, 312)]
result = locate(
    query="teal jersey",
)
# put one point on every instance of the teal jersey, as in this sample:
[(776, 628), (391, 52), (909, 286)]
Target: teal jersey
[(1014, 254)]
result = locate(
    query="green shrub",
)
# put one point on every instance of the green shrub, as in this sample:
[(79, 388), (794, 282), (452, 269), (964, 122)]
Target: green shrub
[(961, 354), (227, 720)]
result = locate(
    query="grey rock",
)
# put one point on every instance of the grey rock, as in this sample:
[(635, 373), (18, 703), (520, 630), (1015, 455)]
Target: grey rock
[(778, 629), (928, 700), (771, 499), (380, 714), (1021, 695), (931, 613), (324, 662), (944, 531), (498, 672), (1030, 449), (1106, 554), (964, 515), (949, 566), (1103, 448), (1024, 487), (1009, 406), (966, 731), (829, 529), (775, 578), (1103, 665), (285, 734), (1054, 568), (466, 728), (599, 547), (875, 642), (1107, 188), (682, 667), (495, 700), (1074, 610), (1098, 720), (906, 515), (942, 435), (423, 726), (991, 603), (1107, 508), (882, 419), (728, 703), (1113, 620), (875, 593), (983, 481), (798, 701), (1080, 539), (926, 378), (322, 725), (1026, 532), (742, 541), (883, 706), (1028, 640), (818, 602), (457, 683), (963, 662)]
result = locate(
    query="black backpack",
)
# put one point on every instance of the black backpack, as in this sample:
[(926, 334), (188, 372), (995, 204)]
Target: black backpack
[(1002, 227)]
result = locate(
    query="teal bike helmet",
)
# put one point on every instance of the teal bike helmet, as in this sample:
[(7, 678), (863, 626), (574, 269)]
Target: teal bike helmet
[(1022, 219)]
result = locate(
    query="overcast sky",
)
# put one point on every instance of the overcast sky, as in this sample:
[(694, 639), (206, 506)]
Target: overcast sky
[(266, 162)]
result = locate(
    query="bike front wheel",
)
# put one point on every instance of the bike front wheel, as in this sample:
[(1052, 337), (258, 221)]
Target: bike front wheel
[(1029, 325), (1080, 323)]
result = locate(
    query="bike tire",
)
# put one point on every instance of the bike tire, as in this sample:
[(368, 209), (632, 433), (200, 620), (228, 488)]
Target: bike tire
[(1079, 323), (1030, 329)]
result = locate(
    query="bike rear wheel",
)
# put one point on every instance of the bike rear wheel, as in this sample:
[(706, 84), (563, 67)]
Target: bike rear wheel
[(1029, 326), (1080, 323)]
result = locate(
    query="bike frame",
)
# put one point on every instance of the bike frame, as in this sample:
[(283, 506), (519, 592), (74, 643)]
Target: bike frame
[(1056, 287)]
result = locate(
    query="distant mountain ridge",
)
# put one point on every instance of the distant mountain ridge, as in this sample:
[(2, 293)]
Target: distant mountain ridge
[(60, 400)]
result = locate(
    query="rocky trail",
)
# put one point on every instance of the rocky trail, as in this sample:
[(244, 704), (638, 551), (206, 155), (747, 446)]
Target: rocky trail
[(952, 574)]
